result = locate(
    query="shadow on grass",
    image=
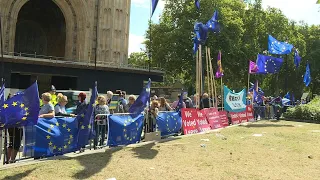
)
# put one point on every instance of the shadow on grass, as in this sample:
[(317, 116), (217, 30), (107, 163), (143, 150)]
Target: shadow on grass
[(20, 175), (266, 125), (145, 151), (94, 163)]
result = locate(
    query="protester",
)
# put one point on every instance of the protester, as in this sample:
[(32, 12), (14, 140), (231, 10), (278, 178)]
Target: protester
[(82, 105), (100, 129), (175, 103), (206, 102), (109, 97), (164, 106), (47, 110), (60, 108), (15, 137), (132, 99)]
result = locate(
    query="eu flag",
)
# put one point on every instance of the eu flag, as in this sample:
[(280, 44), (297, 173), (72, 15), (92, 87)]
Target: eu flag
[(87, 118), (138, 106), (124, 129), (287, 95), (307, 76), (22, 109), (278, 47), (169, 122), (197, 3), (154, 4), (268, 64), (55, 136), (297, 58), (180, 102), (213, 24)]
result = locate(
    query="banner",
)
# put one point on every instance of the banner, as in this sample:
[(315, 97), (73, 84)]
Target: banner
[(234, 102), (238, 117), (224, 118), (213, 117), (250, 113), (194, 121)]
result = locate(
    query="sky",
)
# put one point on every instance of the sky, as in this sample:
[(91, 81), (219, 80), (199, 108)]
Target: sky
[(297, 10)]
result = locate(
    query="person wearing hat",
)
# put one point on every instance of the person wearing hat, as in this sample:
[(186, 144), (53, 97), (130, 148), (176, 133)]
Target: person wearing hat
[(53, 100)]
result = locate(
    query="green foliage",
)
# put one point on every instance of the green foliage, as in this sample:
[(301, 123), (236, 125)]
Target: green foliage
[(310, 111), (243, 35)]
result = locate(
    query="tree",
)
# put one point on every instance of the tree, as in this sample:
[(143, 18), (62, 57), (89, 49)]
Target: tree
[(138, 59)]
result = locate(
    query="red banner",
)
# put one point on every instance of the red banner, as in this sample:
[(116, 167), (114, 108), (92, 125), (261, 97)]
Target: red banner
[(224, 118), (235, 118), (194, 121), (213, 117), (250, 113), (243, 116)]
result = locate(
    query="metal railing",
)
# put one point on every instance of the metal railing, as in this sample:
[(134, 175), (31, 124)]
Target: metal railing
[(63, 60)]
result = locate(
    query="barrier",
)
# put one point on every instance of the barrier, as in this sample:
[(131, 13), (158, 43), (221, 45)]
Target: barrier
[(57, 136)]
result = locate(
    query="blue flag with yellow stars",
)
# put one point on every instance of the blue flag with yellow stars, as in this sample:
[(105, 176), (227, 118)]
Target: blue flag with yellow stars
[(268, 64), (307, 76), (55, 136), (278, 47), (124, 129), (169, 122), (87, 120), (22, 109), (142, 101)]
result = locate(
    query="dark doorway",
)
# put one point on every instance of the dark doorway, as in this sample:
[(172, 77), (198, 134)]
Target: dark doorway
[(40, 30)]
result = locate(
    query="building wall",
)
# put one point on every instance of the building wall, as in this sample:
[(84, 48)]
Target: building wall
[(82, 25)]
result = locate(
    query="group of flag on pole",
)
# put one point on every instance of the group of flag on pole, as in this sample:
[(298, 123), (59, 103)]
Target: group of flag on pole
[(271, 65)]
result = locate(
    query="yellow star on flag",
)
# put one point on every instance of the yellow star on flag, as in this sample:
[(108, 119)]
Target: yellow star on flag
[(65, 146), (48, 137), (64, 125), (14, 104), (49, 130), (54, 147), (93, 105), (82, 127), (60, 149), (24, 118), (52, 126), (89, 126), (5, 106), (16, 123), (69, 142), (26, 109), (68, 129), (57, 124), (22, 105), (50, 143), (26, 114), (82, 115), (71, 136)]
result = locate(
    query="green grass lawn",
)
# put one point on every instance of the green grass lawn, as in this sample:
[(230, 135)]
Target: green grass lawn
[(286, 150)]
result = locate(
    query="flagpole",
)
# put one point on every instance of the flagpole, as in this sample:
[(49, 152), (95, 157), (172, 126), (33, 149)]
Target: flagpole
[(248, 82), (222, 95), (197, 78), (200, 70), (213, 84), (208, 75), (2, 59)]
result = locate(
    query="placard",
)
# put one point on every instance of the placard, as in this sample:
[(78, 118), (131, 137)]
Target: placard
[(224, 118), (194, 121), (213, 118)]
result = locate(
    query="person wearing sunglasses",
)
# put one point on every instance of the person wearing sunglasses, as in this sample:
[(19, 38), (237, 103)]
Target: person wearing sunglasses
[(60, 108)]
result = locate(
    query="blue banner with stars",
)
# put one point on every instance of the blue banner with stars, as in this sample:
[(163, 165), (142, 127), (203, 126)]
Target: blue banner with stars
[(55, 136), (169, 123), (22, 109), (268, 64), (124, 129), (278, 47)]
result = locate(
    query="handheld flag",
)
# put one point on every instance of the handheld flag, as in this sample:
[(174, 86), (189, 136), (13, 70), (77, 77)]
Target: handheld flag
[(197, 3), (180, 103), (219, 72), (201, 32), (278, 47), (154, 4), (86, 120), (124, 129), (287, 96), (253, 68), (268, 64), (22, 109), (138, 106), (297, 58), (307, 76)]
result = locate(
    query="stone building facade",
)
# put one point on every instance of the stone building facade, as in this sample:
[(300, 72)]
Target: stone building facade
[(76, 30)]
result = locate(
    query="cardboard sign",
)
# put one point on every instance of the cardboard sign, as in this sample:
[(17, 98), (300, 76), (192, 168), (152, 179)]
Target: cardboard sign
[(213, 118), (235, 118), (224, 118), (194, 121), (250, 113)]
